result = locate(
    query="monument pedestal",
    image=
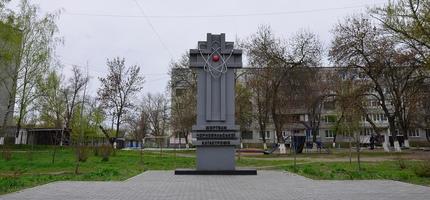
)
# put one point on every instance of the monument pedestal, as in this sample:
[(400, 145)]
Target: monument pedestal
[(215, 172), (216, 158)]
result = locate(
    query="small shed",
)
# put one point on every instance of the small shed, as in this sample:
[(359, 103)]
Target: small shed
[(44, 136)]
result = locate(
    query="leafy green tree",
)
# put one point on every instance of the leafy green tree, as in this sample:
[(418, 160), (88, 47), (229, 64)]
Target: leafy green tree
[(10, 43), (350, 97), (409, 22), (36, 54), (85, 123), (51, 102)]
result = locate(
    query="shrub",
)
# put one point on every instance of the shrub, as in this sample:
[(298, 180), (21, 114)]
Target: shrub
[(107, 172), (82, 153), (105, 151), (96, 151), (6, 183), (7, 154), (29, 155), (311, 171), (423, 169), (402, 164)]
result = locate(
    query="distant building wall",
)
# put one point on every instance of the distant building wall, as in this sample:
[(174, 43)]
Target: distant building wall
[(300, 116), (10, 41)]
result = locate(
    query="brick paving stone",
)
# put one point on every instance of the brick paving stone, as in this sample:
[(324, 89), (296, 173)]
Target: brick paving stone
[(164, 185)]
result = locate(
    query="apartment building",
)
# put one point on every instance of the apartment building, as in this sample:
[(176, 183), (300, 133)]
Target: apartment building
[(299, 120), (9, 47)]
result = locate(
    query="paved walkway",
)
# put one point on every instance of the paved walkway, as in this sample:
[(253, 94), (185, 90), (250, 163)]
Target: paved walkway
[(266, 185)]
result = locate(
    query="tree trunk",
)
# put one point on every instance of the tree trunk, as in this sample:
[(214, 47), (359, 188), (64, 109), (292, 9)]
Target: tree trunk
[(358, 153), (117, 125), (55, 147), (391, 121), (141, 154), (187, 146), (293, 142), (263, 136), (405, 129), (350, 150), (334, 141), (280, 139)]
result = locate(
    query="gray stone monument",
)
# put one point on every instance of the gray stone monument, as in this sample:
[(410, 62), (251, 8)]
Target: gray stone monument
[(215, 134)]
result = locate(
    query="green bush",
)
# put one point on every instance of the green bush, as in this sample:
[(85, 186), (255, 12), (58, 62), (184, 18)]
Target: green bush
[(96, 151), (82, 153), (423, 169), (7, 154), (105, 151), (10, 182), (102, 173), (311, 171), (402, 163)]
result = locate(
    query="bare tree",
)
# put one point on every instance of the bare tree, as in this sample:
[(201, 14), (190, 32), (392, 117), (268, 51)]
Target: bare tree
[(138, 127), (266, 51), (118, 88), (156, 111), (243, 104), (71, 93), (3, 10), (391, 70), (183, 86), (350, 100), (260, 101)]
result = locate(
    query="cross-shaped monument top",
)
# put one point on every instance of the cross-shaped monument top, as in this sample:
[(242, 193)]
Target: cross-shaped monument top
[(215, 55)]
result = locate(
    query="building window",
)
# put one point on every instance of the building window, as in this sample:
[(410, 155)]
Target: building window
[(284, 133), (267, 135), (179, 92), (366, 131), (378, 117), (384, 117), (329, 133), (246, 135), (329, 105), (329, 118), (414, 133), (296, 132)]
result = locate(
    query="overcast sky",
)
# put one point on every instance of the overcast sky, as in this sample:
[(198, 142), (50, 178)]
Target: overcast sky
[(94, 30)]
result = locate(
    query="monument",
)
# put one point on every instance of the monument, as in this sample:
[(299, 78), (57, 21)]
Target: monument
[(215, 134)]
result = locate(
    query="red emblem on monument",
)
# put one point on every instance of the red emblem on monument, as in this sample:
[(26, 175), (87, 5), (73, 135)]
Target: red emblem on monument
[(215, 58)]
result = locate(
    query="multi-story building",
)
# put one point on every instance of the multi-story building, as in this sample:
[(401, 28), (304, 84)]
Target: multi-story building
[(299, 120), (10, 42)]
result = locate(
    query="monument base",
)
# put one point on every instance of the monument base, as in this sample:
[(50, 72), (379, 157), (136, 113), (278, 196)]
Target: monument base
[(215, 158), (216, 172)]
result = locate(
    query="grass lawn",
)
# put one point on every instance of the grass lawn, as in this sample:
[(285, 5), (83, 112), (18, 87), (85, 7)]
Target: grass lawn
[(336, 153), (389, 170), (27, 170), (22, 171)]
